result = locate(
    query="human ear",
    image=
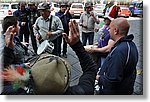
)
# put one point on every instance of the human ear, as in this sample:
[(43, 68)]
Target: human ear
[(116, 31)]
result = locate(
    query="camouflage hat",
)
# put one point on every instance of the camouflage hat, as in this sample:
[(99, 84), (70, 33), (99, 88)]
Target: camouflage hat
[(31, 3), (88, 4), (43, 6), (51, 75)]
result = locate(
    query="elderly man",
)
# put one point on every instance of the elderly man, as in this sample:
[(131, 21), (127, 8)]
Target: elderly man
[(48, 27), (118, 73), (87, 22)]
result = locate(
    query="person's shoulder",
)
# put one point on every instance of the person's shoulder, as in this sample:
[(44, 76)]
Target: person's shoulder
[(16, 11), (39, 18), (57, 13), (95, 13), (122, 46), (27, 9), (84, 13), (55, 17)]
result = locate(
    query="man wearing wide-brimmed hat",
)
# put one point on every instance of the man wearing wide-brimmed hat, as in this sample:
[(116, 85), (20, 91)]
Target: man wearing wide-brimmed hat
[(47, 26), (87, 22)]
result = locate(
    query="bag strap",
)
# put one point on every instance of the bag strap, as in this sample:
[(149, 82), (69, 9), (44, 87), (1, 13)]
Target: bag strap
[(50, 22)]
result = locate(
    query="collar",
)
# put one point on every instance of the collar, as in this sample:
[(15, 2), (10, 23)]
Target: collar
[(87, 13), (46, 19), (127, 38)]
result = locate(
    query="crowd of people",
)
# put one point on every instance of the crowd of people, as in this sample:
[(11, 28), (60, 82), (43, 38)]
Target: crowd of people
[(117, 55)]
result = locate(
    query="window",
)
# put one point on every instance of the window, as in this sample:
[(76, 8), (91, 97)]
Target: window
[(77, 6), (14, 6), (4, 6)]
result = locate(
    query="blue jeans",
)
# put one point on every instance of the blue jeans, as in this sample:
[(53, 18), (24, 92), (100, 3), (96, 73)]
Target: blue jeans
[(87, 36)]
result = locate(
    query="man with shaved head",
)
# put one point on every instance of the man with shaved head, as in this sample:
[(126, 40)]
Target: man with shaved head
[(118, 73)]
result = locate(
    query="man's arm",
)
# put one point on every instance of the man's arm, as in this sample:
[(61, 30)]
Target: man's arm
[(95, 17), (87, 80), (59, 15), (104, 49), (35, 27), (81, 20), (59, 29), (9, 46), (8, 56)]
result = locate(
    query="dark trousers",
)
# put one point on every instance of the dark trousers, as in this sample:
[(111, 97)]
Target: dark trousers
[(64, 46), (64, 42), (57, 46), (87, 36), (33, 40), (24, 31)]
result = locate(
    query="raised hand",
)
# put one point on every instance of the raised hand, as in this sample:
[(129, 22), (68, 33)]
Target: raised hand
[(9, 36), (74, 36)]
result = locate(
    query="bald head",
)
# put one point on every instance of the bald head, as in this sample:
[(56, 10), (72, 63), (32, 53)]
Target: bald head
[(122, 25)]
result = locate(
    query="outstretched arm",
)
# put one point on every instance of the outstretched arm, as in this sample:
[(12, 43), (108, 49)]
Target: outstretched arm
[(104, 49), (9, 46), (86, 82)]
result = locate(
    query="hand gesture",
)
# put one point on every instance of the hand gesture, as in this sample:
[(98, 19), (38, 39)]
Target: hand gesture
[(67, 10), (92, 13), (9, 36), (37, 37), (49, 34), (75, 35)]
